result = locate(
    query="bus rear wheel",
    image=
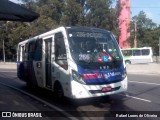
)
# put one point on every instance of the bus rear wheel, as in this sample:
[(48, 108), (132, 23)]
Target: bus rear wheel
[(127, 62), (58, 91)]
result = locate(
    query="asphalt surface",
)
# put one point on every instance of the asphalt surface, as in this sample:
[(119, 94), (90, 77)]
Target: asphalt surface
[(17, 104), (142, 97), (150, 68)]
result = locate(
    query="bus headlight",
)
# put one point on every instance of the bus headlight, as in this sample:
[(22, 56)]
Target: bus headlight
[(77, 77), (124, 74)]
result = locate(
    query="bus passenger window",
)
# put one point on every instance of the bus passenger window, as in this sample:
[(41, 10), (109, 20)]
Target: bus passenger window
[(23, 53), (60, 51), (26, 52), (31, 50), (145, 51), (127, 52), (136, 53), (38, 50), (18, 53)]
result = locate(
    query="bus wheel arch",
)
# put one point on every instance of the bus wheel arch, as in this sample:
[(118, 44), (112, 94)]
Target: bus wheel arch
[(58, 90), (127, 62)]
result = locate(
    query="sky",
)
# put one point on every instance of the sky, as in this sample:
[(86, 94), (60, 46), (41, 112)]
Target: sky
[(150, 7)]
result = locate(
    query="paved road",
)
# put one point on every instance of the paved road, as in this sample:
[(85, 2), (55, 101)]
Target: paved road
[(142, 95), (146, 87), (18, 104)]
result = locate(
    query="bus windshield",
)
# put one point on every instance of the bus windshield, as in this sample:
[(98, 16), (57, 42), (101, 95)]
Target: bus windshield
[(93, 46)]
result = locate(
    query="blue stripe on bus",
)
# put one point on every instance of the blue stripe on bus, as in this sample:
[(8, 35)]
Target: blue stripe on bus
[(98, 77)]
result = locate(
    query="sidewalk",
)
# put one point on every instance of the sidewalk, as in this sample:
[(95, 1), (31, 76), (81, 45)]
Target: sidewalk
[(150, 68), (8, 65)]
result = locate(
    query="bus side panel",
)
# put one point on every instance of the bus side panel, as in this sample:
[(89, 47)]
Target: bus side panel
[(138, 55), (20, 70)]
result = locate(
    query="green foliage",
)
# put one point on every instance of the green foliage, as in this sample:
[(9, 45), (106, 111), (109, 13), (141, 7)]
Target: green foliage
[(147, 32), (101, 15), (94, 13), (54, 13), (71, 13)]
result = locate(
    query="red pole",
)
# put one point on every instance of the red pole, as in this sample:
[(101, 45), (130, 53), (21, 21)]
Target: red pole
[(124, 23)]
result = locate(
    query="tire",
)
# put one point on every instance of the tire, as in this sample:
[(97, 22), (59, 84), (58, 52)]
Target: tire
[(128, 62), (30, 85), (58, 91)]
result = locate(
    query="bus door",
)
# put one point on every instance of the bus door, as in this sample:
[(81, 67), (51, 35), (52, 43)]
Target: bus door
[(48, 55)]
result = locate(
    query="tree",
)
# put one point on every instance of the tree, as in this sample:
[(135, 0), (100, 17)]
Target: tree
[(147, 31), (100, 14), (71, 13), (54, 13)]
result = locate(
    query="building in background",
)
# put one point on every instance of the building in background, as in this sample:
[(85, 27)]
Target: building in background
[(124, 23)]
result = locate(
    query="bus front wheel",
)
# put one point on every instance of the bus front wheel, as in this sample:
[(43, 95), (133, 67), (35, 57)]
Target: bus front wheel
[(58, 91)]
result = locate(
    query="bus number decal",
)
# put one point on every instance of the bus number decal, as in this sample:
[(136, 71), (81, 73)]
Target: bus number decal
[(84, 57)]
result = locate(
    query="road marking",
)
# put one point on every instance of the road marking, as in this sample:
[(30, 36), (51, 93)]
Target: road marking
[(42, 101), (145, 83), (135, 97)]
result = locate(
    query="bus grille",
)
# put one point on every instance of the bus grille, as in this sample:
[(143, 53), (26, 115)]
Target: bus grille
[(100, 91)]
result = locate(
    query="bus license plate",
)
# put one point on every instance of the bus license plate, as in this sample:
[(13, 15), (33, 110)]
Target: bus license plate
[(106, 89)]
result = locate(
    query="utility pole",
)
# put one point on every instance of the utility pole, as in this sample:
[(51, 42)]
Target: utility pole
[(124, 23), (6, 29), (135, 34), (159, 47), (4, 56)]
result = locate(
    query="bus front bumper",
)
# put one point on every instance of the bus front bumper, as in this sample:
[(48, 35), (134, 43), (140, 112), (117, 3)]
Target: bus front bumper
[(79, 90)]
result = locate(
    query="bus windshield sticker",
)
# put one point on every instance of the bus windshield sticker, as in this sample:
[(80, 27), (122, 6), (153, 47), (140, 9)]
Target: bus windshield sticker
[(85, 57)]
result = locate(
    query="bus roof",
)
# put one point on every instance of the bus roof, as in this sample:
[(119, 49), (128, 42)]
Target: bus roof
[(63, 28), (86, 28), (137, 48)]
